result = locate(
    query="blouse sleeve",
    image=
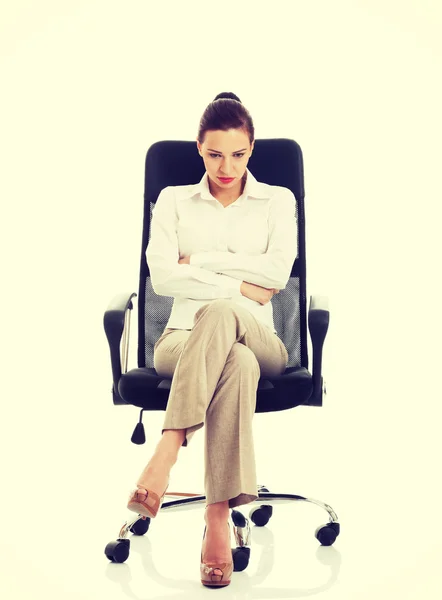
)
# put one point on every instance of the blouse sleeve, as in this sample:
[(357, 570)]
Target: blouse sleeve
[(271, 269), (162, 254)]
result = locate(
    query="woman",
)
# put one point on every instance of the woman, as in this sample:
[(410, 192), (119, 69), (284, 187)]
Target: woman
[(220, 337)]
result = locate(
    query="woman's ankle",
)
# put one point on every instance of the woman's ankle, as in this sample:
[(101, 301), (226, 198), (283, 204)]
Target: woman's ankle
[(218, 511), (166, 451), (170, 443)]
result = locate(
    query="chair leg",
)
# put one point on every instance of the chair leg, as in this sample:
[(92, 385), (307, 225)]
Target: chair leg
[(326, 534)]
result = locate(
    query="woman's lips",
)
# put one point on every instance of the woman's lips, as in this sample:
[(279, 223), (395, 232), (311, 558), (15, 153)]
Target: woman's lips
[(226, 179)]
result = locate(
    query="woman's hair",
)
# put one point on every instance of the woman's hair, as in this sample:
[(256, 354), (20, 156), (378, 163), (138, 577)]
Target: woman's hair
[(226, 112)]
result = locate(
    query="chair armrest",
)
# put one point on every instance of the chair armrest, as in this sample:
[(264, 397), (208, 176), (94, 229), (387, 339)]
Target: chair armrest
[(116, 322), (318, 319)]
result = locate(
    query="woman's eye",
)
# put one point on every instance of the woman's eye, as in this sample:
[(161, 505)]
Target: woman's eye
[(240, 155)]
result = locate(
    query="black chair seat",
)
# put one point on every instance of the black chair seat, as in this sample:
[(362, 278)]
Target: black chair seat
[(144, 388)]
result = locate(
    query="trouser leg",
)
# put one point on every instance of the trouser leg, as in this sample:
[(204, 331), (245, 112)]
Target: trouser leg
[(206, 354), (230, 471)]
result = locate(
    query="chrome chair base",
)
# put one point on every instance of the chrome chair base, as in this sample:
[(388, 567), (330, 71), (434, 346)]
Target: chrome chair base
[(260, 515)]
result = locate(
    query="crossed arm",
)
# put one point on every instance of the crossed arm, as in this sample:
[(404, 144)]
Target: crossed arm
[(250, 290), (222, 274)]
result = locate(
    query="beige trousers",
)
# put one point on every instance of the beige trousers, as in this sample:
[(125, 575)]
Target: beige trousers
[(215, 368)]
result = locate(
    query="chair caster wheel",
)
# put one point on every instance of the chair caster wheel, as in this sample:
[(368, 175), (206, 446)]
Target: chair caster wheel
[(327, 534), (261, 514), (117, 551), (238, 519), (140, 527), (241, 558)]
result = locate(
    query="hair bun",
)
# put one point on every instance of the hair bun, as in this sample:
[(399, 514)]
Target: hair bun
[(228, 95)]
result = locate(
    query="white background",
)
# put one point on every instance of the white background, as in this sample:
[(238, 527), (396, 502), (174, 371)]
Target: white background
[(87, 87)]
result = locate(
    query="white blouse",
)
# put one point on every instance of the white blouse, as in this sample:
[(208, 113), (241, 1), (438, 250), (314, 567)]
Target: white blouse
[(254, 239)]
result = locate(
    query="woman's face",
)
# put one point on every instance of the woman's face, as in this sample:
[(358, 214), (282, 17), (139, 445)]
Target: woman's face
[(225, 154)]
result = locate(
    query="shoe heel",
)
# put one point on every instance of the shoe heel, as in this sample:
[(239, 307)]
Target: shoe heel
[(149, 505)]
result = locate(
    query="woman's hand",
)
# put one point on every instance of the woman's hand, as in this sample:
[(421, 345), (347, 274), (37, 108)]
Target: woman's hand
[(185, 260), (257, 293)]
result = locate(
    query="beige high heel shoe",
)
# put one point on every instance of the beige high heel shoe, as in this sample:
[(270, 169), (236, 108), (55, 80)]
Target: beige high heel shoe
[(145, 502), (215, 574)]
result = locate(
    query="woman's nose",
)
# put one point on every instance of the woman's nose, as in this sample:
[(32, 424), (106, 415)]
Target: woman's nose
[(226, 167)]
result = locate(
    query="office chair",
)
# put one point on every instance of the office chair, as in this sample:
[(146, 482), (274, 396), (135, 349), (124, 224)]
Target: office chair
[(275, 162)]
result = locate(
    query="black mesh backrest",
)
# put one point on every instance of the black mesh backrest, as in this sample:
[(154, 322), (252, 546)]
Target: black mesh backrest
[(273, 161)]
